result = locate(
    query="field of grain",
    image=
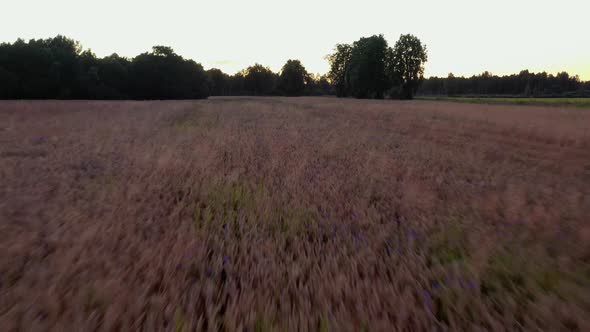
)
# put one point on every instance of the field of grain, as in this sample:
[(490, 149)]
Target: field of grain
[(278, 214)]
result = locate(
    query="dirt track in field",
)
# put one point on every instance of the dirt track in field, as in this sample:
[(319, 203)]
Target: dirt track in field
[(318, 214)]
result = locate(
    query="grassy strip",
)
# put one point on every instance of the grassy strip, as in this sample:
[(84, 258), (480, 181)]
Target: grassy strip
[(578, 102)]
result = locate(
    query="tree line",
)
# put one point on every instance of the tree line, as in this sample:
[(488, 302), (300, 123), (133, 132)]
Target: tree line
[(59, 68), (524, 83), (258, 80)]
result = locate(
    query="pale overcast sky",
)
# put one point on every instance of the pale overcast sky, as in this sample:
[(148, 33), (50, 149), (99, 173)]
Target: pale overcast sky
[(463, 36)]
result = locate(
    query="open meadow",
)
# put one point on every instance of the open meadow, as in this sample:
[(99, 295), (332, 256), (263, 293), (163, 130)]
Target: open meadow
[(289, 214)]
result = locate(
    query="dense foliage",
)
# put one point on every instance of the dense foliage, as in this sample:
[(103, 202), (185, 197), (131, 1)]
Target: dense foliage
[(369, 68), (339, 67), (407, 65), (367, 77), (162, 74), (58, 68), (523, 84), (259, 80), (292, 78)]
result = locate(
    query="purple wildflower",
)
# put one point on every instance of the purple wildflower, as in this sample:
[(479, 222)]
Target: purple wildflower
[(428, 300), (39, 140)]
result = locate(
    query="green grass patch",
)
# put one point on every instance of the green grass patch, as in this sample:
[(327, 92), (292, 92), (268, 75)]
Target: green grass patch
[(577, 102), (232, 206), (263, 324), (447, 243), (526, 274), (323, 325), (180, 321)]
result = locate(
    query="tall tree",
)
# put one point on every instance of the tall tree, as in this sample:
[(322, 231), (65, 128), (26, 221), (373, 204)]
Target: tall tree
[(163, 74), (364, 69), (259, 80), (292, 80), (339, 67), (113, 72), (366, 72), (218, 82), (406, 64)]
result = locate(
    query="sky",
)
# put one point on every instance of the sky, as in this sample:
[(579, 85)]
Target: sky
[(464, 37)]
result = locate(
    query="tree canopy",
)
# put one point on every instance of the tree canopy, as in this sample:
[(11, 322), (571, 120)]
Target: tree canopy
[(163, 74), (407, 65), (59, 68), (369, 67), (218, 82), (339, 68), (259, 80), (367, 77), (293, 78)]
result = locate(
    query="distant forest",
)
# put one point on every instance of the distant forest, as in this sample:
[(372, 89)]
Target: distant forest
[(59, 68), (523, 84)]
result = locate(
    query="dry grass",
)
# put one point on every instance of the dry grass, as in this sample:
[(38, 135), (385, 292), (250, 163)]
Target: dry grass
[(272, 214)]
